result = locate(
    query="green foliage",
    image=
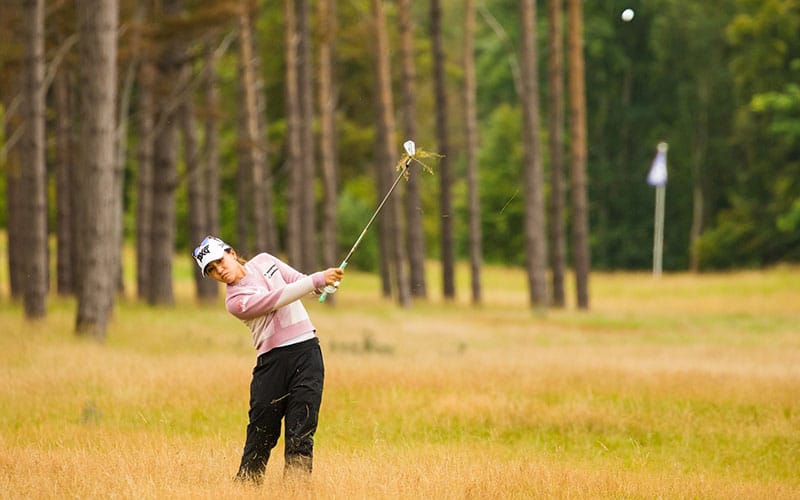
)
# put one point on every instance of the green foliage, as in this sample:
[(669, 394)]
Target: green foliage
[(502, 201), (757, 225), (752, 234), (784, 108), (354, 213), (625, 122), (716, 80), (722, 248), (790, 222), (497, 33), (666, 76)]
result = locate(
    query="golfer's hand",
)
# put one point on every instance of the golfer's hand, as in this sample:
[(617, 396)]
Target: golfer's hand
[(333, 276)]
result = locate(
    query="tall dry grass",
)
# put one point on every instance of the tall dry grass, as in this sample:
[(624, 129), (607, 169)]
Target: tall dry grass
[(681, 387)]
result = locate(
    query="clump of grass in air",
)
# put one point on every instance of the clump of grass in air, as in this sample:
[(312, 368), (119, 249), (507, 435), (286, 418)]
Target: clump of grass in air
[(420, 153)]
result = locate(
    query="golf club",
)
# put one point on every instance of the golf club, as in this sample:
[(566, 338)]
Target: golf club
[(411, 149)]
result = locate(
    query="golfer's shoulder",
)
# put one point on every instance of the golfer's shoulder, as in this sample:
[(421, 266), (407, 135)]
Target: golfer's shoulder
[(263, 259)]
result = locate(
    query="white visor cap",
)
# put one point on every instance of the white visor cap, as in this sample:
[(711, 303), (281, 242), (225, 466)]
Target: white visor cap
[(209, 250)]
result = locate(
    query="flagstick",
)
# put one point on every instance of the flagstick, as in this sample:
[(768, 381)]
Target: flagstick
[(658, 235)]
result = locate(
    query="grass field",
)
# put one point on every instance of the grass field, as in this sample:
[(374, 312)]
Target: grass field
[(685, 386)]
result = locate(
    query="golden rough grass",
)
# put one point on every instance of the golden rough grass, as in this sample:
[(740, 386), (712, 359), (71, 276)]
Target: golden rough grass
[(683, 387), (165, 470)]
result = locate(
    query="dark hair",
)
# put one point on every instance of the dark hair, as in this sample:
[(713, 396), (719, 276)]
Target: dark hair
[(241, 260)]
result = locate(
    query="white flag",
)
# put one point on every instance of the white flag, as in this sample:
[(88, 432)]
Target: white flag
[(658, 172)]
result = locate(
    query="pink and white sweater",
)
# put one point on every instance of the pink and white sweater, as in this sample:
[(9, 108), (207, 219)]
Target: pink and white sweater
[(267, 300)]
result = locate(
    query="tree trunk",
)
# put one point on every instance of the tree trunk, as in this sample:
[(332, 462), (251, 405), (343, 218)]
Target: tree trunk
[(533, 178), (382, 174), (577, 99), (16, 254), (165, 178), (244, 176), (211, 146), (558, 252), (294, 193), (270, 222), (144, 180), (196, 196), (253, 140), (210, 161), (327, 110), (473, 196), (386, 127), (33, 178), (699, 154), (63, 171), (414, 227), (308, 219), (121, 151), (698, 202), (162, 236), (13, 169), (98, 84), (445, 202)]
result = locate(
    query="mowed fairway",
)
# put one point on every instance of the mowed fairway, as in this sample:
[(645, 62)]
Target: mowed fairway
[(685, 386)]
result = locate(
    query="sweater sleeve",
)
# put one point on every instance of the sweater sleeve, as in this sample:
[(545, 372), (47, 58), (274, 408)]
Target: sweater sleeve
[(248, 302), (290, 274)]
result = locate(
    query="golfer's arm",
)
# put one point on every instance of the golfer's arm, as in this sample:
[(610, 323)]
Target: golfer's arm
[(261, 301), (299, 289)]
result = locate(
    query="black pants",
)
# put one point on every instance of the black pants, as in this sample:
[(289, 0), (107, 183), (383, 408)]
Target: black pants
[(287, 384)]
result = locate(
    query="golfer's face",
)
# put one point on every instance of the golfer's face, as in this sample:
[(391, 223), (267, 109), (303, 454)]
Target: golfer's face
[(225, 270)]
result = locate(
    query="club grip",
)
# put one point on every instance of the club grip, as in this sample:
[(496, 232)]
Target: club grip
[(325, 294)]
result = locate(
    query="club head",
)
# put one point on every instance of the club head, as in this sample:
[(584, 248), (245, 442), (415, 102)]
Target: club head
[(410, 147)]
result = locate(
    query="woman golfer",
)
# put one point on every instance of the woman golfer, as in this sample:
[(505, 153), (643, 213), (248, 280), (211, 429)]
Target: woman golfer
[(265, 294)]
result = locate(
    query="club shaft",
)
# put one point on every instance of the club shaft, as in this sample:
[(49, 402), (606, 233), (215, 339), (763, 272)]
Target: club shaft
[(371, 220), (377, 211)]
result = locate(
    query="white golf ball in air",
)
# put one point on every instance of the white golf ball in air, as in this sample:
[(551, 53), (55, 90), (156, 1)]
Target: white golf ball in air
[(627, 15)]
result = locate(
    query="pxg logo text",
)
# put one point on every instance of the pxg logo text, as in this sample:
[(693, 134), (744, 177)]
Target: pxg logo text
[(202, 253)]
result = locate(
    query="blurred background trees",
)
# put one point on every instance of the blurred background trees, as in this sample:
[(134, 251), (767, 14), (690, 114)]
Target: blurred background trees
[(267, 122)]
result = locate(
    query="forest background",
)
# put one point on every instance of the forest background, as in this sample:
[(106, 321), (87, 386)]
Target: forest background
[(717, 81)]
